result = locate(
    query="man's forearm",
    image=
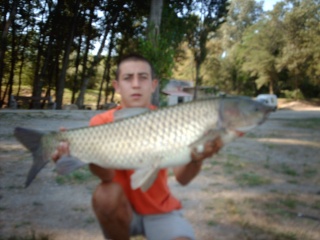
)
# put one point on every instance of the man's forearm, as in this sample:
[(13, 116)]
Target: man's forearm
[(184, 174)]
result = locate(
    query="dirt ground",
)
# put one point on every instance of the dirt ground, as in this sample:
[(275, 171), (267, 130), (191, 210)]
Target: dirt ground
[(265, 185)]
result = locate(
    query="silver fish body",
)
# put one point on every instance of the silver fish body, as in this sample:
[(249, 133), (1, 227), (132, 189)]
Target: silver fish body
[(152, 140)]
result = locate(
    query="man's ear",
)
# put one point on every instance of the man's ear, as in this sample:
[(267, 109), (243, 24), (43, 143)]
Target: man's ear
[(115, 85), (155, 83)]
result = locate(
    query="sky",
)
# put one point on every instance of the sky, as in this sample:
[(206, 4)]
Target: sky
[(268, 4)]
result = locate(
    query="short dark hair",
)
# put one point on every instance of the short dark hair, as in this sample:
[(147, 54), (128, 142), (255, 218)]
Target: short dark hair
[(134, 57)]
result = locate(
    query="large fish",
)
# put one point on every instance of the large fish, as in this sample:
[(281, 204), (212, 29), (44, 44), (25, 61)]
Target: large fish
[(146, 140)]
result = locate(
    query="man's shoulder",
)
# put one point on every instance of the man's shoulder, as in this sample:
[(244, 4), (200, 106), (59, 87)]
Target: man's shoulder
[(103, 118), (108, 116)]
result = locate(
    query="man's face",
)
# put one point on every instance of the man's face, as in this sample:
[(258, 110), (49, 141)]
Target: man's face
[(135, 84)]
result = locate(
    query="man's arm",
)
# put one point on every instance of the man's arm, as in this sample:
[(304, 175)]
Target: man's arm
[(184, 174)]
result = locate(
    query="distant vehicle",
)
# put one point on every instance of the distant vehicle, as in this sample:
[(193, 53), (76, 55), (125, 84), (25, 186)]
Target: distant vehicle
[(268, 99)]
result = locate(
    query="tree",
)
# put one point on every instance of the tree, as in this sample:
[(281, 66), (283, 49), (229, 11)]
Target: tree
[(202, 28), (48, 44), (242, 15), (300, 55), (154, 35), (112, 17), (61, 81), (10, 8), (260, 51), (87, 71)]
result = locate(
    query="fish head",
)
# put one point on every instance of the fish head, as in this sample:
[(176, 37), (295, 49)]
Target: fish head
[(241, 114)]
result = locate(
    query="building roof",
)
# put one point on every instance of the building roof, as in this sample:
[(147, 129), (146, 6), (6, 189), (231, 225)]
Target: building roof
[(176, 92)]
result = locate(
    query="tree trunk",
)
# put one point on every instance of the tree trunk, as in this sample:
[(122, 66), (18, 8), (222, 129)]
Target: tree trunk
[(155, 20), (153, 36), (45, 50), (61, 80), (106, 74), (22, 60), (197, 83), (36, 82), (75, 81), (85, 76), (106, 70), (3, 43), (13, 64), (39, 79)]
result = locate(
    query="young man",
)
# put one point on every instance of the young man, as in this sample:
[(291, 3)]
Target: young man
[(121, 211)]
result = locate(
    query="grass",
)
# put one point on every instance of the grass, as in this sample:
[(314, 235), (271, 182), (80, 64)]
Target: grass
[(90, 98), (293, 181), (233, 164), (5, 116), (212, 223), (6, 136), (79, 176), (251, 179), (22, 224), (31, 236), (286, 169), (12, 187), (310, 172), (251, 135), (232, 207), (79, 209), (270, 146), (267, 163), (289, 202), (37, 204), (285, 207), (271, 215), (214, 162), (253, 231), (309, 123), (90, 220), (316, 205), (40, 236), (261, 218)]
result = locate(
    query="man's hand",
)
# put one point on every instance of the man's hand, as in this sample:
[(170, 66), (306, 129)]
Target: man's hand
[(184, 174), (62, 149), (210, 148)]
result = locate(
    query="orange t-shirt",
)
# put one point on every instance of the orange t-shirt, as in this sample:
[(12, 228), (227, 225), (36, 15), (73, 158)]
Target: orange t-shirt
[(158, 198)]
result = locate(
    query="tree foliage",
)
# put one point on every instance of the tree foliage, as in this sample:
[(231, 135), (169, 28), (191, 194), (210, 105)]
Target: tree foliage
[(272, 51), (50, 44), (201, 28), (231, 78)]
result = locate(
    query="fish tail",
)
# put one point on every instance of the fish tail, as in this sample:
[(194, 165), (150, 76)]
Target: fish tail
[(31, 139)]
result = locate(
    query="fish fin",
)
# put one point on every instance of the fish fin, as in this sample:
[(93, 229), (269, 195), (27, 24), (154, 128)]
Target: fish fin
[(67, 164), (210, 135), (129, 112), (31, 139), (144, 178)]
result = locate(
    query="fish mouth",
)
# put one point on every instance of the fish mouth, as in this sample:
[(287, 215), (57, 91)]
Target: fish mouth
[(239, 133), (263, 119), (268, 111), (241, 130)]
